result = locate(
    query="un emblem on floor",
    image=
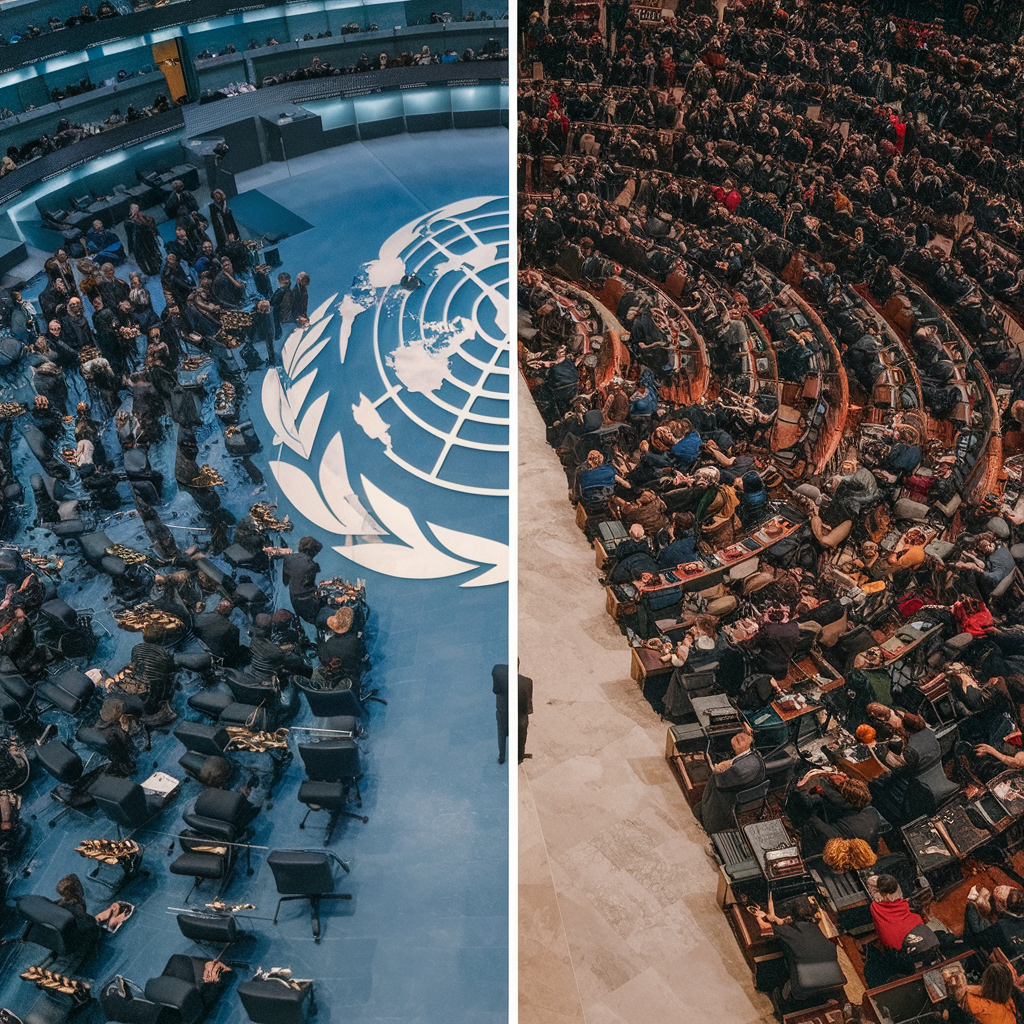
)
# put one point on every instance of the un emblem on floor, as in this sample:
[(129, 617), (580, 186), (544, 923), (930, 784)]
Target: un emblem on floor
[(430, 315)]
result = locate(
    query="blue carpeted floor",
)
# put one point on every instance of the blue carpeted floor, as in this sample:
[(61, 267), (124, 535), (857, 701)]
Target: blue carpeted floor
[(426, 937)]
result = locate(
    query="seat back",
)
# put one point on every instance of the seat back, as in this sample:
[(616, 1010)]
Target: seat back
[(273, 1002), (328, 703), (779, 768), (301, 872), (49, 925), (123, 1002), (121, 800), (225, 805), (751, 800), (217, 928), (211, 740), (331, 760)]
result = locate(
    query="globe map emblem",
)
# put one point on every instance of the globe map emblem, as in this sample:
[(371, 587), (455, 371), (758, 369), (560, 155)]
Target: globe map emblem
[(441, 345)]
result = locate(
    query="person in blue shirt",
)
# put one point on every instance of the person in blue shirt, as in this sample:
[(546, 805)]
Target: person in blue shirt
[(104, 245), (753, 499), (682, 545), (643, 404), (686, 450), (597, 481)]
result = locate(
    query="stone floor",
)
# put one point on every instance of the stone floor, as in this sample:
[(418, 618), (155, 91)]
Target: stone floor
[(618, 922)]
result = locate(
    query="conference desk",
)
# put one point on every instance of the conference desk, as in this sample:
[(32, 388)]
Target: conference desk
[(709, 569)]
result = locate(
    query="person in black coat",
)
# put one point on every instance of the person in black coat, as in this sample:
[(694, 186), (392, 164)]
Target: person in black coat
[(728, 779), (222, 219), (227, 289), (281, 305), (181, 205), (633, 557), (342, 652), (143, 240), (525, 710), (220, 635), (499, 687)]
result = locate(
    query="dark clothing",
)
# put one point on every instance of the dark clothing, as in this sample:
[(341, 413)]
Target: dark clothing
[(281, 307), (227, 292), (220, 636), (342, 655), (155, 665), (680, 551), (144, 243), (632, 559), (299, 574), (775, 642), (222, 220), (525, 710), (804, 945), (499, 687), (715, 810)]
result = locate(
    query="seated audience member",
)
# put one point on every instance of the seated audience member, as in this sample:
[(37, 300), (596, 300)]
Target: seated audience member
[(897, 926), (830, 805), (1002, 925), (811, 958), (991, 1002), (633, 558), (729, 778)]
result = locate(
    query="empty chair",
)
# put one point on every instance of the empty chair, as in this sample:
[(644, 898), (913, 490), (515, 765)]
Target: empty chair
[(333, 769), (270, 1002), (63, 764), (330, 703), (69, 691), (206, 926), (202, 742), (178, 995), (220, 814), (125, 802), (202, 859), (305, 875), (217, 827), (751, 801), (56, 928)]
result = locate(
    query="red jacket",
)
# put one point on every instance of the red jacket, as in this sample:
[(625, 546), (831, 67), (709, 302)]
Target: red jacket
[(893, 919)]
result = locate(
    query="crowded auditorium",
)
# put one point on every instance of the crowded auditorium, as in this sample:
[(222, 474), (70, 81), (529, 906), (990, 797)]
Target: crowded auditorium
[(771, 323), (245, 774)]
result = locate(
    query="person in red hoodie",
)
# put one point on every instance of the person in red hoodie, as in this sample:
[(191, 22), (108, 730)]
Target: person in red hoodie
[(897, 926)]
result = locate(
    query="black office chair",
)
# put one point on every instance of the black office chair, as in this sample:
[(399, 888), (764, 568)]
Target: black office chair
[(69, 691), (218, 827), (125, 802), (927, 792), (56, 929), (60, 762), (333, 769), (205, 859), (177, 995), (273, 1001), (751, 801), (305, 875), (201, 742), (330, 703)]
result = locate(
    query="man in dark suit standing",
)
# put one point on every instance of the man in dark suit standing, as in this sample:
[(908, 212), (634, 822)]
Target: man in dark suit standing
[(525, 710), (499, 687), (728, 779)]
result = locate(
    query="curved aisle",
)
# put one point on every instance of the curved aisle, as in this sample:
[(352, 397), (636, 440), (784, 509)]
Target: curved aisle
[(614, 884)]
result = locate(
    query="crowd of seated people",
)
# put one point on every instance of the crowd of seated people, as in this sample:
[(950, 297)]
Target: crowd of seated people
[(769, 314), (120, 352)]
